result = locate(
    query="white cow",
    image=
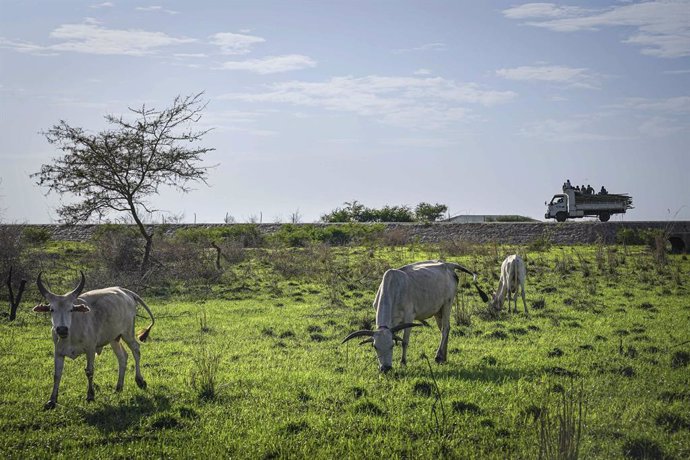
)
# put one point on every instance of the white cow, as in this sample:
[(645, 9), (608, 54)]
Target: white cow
[(412, 292), (85, 323), (513, 274)]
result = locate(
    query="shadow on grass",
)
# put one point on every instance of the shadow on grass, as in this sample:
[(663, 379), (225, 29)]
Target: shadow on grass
[(121, 417)]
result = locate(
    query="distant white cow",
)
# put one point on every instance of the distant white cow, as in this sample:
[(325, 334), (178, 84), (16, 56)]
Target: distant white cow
[(84, 324), (413, 292), (513, 274)]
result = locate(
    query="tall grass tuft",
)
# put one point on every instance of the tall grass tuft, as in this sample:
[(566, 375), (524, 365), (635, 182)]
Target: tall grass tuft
[(461, 313), (441, 425), (560, 425), (203, 377)]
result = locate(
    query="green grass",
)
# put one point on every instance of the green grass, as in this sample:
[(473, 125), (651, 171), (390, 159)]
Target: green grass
[(606, 330)]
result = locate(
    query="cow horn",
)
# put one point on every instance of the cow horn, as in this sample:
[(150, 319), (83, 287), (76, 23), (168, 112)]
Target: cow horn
[(404, 326), (42, 289), (75, 293), (369, 340), (362, 333)]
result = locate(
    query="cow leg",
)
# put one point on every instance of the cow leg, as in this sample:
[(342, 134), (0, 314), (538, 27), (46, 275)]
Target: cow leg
[(406, 340), (134, 347), (443, 322), (122, 363), (524, 303), (90, 358), (57, 375)]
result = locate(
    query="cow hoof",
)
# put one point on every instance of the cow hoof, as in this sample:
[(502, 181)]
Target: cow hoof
[(90, 398), (118, 389), (141, 383), (49, 405), (440, 360)]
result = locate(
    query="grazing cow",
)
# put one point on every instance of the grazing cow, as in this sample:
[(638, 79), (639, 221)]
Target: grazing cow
[(513, 274), (85, 323), (413, 292)]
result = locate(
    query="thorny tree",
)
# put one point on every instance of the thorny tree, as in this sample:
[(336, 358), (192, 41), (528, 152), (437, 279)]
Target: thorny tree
[(117, 169)]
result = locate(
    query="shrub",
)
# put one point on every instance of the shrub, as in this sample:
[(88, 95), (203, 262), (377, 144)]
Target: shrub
[(292, 235), (11, 247), (627, 236), (248, 235), (36, 235), (118, 248)]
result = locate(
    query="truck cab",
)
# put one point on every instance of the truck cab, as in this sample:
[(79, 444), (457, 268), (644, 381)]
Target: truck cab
[(562, 206)]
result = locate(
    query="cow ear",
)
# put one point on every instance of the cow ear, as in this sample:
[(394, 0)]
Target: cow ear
[(81, 308), (41, 308)]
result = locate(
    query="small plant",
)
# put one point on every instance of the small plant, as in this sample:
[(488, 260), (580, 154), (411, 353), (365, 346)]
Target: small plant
[(559, 424), (441, 424), (461, 313), (204, 374)]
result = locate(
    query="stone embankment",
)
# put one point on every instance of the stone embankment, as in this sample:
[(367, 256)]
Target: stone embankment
[(496, 232)]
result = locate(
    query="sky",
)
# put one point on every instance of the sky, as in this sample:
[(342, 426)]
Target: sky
[(485, 106)]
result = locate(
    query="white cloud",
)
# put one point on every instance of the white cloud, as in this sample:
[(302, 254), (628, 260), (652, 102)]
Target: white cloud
[(271, 64), (676, 72), (576, 129), (91, 38), (660, 127), (673, 105), (156, 8), (436, 46), (571, 76), (542, 10), (422, 72), (103, 5), (235, 43), (662, 26), (426, 103)]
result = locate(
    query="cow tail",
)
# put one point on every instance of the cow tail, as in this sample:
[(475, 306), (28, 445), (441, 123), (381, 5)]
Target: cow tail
[(144, 333), (482, 294)]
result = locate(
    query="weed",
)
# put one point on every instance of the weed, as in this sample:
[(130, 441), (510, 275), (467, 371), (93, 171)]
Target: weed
[(461, 313), (560, 424), (204, 374), (441, 424)]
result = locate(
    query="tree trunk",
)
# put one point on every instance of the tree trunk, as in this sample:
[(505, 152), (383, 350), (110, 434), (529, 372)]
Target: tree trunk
[(146, 261), (14, 301), (147, 253), (218, 254)]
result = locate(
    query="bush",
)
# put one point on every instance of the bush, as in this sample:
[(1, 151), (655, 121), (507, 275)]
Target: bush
[(36, 235), (11, 247), (292, 235), (627, 236), (118, 248), (248, 235)]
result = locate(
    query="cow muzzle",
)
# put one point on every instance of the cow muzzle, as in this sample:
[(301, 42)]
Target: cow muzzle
[(62, 331)]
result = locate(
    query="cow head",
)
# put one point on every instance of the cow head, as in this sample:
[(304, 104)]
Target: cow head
[(382, 340), (61, 307)]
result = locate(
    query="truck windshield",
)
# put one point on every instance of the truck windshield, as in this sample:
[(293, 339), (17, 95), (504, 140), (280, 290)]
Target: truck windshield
[(557, 199)]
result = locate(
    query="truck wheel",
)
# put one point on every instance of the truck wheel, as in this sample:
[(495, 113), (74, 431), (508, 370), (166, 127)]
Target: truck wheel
[(560, 216), (604, 216)]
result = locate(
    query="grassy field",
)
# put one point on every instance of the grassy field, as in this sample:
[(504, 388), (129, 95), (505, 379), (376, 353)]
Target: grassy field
[(251, 366)]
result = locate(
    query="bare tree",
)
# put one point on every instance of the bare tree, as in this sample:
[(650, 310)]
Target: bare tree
[(296, 217), (118, 169)]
